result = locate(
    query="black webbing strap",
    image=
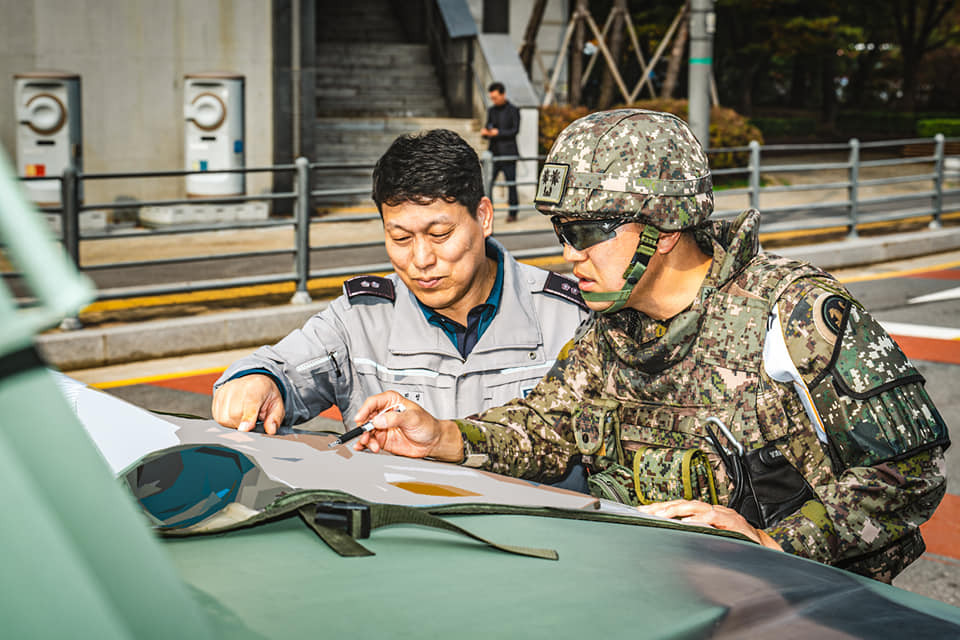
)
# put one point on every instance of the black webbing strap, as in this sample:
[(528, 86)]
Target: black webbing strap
[(20, 361), (339, 524)]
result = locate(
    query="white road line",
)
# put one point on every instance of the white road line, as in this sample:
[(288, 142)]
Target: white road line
[(946, 294), (921, 331)]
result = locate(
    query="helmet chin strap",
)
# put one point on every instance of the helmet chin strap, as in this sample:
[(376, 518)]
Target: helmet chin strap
[(646, 247)]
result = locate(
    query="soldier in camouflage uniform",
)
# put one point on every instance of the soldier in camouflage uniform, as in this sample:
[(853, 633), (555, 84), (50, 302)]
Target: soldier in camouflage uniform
[(814, 433)]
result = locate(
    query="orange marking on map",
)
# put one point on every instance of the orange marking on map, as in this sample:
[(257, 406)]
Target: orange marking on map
[(430, 489)]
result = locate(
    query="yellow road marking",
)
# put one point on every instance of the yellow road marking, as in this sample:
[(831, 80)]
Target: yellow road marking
[(156, 378), (899, 274)]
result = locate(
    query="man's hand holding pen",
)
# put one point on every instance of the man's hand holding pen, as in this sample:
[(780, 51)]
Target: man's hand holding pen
[(412, 432)]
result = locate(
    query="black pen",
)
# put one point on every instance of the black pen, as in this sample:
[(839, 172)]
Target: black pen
[(356, 432)]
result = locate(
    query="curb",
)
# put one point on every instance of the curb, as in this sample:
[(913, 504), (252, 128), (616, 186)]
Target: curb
[(87, 348), (860, 251)]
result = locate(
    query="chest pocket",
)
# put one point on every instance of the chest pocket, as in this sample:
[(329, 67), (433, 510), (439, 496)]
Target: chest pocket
[(417, 384), (596, 427), (500, 386)]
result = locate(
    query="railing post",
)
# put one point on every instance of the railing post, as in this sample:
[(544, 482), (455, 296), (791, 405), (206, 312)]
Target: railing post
[(302, 236), (70, 226), (938, 142), (754, 174), (486, 165), (853, 191), (70, 220)]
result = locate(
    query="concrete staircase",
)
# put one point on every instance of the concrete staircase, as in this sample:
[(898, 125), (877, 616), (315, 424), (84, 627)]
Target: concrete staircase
[(372, 86)]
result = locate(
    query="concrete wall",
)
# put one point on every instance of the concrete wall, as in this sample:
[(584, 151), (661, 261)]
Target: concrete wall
[(132, 56)]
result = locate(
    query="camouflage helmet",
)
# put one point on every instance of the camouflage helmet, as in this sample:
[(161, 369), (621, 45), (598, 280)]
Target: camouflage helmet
[(628, 163)]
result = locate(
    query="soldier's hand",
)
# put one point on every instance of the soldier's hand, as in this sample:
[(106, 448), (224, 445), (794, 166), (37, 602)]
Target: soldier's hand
[(241, 402), (715, 515), (412, 432)]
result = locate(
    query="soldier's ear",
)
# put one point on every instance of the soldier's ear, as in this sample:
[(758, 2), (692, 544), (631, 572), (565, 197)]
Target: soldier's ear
[(485, 216), (667, 241)]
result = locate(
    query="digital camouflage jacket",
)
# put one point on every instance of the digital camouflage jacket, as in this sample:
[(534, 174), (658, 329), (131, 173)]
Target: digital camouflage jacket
[(783, 355)]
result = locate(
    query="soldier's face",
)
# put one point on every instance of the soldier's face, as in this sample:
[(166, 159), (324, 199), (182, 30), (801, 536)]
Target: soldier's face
[(600, 267), (438, 251)]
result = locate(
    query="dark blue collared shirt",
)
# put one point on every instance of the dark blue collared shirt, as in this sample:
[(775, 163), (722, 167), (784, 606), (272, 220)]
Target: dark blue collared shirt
[(465, 338)]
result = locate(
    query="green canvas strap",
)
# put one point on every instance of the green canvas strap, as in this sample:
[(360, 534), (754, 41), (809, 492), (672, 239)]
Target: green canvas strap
[(304, 503), (646, 247), (339, 524)]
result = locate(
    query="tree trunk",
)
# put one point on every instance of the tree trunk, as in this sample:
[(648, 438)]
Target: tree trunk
[(670, 81), (576, 55), (828, 94), (530, 35), (608, 85), (915, 27)]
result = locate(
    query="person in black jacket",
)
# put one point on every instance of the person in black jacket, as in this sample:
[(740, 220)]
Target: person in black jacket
[(503, 122)]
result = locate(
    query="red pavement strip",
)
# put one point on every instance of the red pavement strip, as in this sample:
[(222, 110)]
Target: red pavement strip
[(947, 274), (203, 383), (930, 349), (941, 532)]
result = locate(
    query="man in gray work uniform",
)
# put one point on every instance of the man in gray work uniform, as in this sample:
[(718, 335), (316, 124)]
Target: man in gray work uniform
[(459, 327)]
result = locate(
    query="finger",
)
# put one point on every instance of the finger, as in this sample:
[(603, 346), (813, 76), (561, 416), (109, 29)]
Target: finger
[(221, 408), (250, 413), (274, 414), (365, 441), (216, 407), (374, 405), (393, 419)]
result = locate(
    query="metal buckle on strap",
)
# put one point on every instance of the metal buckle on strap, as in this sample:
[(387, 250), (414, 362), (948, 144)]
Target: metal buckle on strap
[(353, 518)]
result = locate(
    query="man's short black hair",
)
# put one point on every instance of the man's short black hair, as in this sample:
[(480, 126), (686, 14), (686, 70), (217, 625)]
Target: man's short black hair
[(497, 86), (428, 166)]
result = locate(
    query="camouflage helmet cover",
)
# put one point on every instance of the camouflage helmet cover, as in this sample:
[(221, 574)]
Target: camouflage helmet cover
[(628, 163)]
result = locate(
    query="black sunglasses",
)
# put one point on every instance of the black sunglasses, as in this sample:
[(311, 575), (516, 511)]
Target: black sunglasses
[(583, 234)]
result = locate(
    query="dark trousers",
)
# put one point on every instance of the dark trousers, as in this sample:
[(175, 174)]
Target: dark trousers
[(509, 169)]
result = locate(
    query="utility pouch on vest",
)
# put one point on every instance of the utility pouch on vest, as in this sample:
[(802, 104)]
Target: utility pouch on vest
[(767, 488), (613, 483), (666, 473), (872, 399)]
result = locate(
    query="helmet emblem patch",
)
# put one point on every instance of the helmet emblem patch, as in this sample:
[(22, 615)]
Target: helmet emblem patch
[(552, 184)]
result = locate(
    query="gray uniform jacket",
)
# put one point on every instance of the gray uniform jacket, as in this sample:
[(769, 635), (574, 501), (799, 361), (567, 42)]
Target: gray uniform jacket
[(365, 343)]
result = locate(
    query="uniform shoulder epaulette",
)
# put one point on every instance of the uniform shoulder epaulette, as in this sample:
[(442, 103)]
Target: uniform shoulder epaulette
[(369, 286), (565, 288)]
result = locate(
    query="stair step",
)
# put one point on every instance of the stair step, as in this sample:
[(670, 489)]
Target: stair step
[(354, 74)]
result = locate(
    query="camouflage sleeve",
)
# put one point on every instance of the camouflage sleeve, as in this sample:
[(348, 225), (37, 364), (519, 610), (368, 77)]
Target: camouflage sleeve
[(868, 439), (532, 437)]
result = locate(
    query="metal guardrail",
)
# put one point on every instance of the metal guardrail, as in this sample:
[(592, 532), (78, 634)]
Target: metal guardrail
[(852, 184), (308, 190)]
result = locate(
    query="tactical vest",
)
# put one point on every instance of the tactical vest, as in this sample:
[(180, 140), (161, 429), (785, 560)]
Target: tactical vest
[(720, 376)]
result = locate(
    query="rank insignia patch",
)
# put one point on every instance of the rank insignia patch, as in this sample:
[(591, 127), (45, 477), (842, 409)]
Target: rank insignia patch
[(552, 184)]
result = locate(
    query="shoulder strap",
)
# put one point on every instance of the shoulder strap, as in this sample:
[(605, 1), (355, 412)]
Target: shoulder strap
[(369, 286), (565, 288), (768, 276)]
